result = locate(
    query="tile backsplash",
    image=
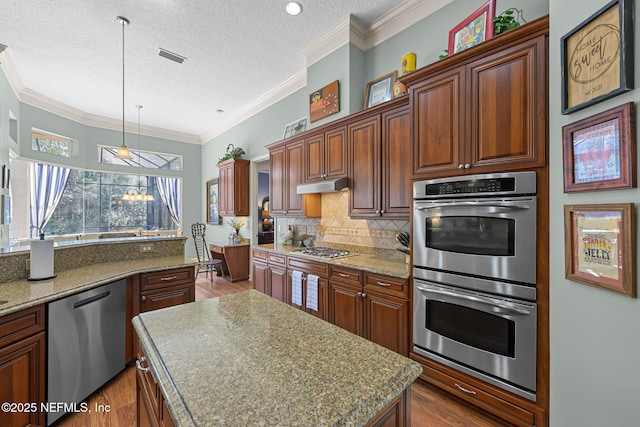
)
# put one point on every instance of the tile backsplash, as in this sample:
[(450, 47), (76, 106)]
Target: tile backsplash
[(338, 228)]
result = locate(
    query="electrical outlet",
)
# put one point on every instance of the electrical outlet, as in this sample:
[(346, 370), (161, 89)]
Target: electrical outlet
[(146, 248), (28, 264)]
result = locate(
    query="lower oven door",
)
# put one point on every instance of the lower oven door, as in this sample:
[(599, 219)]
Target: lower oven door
[(490, 337)]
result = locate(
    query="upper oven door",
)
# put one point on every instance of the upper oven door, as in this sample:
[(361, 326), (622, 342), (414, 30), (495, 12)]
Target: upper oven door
[(492, 237)]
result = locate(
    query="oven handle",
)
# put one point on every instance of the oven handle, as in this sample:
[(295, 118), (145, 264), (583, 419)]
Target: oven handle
[(496, 204), (483, 300)]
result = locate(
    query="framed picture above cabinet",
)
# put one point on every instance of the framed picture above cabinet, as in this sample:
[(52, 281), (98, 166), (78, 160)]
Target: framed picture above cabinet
[(324, 102)]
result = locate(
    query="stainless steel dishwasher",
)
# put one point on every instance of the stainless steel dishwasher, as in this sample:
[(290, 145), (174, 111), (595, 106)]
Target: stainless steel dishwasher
[(86, 345)]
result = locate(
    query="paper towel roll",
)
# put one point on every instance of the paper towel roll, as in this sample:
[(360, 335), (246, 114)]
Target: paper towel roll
[(41, 263)]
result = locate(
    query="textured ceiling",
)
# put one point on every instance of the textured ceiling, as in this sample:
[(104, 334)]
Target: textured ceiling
[(71, 51)]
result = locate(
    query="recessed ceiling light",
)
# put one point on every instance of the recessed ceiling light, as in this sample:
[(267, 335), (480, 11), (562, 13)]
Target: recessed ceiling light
[(293, 8), (219, 111)]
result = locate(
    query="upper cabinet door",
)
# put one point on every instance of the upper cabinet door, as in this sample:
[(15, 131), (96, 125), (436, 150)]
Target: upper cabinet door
[(277, 182), (364, 170), (438, 123), (293, 176), (336, 157), (314, 158), (397, 194), (508, 107)]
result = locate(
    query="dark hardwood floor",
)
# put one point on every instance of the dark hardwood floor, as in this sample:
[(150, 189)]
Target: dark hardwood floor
[(429, 406)]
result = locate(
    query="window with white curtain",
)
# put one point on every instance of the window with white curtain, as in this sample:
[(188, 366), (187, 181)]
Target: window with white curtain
[(92, 203)]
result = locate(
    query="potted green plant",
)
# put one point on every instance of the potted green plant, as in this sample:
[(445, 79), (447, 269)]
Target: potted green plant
[(232, 153), (507, 20)]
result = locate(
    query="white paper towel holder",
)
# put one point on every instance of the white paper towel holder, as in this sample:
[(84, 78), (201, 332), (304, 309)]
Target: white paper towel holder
[(33, 279)]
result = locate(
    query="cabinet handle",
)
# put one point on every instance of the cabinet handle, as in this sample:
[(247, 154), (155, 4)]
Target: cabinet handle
[(144, 298), (465, 390), (166, 279), (344, 275), (383, 284), (139, 363), (467, 166)]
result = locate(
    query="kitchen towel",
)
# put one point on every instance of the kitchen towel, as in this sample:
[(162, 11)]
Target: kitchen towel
[(296, 287), (312, 292)]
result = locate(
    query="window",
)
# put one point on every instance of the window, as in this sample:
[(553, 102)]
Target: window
[(92, 203), (49, 143), (145, 159)]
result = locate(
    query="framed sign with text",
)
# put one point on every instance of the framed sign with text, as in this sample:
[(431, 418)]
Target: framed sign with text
[(597, 57), (600, 246)]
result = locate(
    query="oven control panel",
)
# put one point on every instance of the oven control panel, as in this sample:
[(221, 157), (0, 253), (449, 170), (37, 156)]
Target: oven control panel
[(516, 183)]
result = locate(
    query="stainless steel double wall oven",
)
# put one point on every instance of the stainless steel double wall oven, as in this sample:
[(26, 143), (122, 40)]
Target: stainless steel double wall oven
[(474, 254)]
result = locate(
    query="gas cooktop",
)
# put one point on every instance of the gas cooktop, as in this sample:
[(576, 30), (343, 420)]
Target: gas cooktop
[(321, 252)]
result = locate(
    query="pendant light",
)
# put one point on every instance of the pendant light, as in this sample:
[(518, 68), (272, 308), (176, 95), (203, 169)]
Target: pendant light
[(123, 151), (139, 195)]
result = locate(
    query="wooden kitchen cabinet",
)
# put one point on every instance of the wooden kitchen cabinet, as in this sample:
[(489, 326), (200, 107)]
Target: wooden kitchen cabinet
[(483, 110), (325, 155), (380, 168), (309, 267), (151, 410), (22, 365), (234, 187), (270, 274), (166, 288), (375, 307), (286, 166)]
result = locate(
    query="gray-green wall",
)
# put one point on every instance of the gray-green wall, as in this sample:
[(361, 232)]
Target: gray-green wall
[(595, 334)]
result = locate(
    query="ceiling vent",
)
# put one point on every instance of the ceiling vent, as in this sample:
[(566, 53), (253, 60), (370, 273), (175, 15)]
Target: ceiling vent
[(172, 56)]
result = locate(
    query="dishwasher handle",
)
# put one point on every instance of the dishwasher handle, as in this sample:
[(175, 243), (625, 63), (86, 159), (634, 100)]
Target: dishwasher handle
[(91, 299)]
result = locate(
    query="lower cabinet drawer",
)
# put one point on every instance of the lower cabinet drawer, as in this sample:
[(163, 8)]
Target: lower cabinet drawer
[(21, 324), (386, 284), (493, 403), (161, 279)]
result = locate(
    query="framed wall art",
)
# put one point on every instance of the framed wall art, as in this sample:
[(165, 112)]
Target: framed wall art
[(600, 246), (475, 29), (380, 90), (597, 57), (295, 127), (599, 152), (324, 102), (213, 203)]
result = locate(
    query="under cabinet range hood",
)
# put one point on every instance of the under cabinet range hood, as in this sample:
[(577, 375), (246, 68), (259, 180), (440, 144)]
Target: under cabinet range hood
[(323, 186)]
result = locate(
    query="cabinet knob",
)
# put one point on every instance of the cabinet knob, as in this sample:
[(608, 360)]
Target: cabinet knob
[(364, 295), (460, 166), (359, 294), (382, 212), (378, 212), (467, 166), (144, 298)]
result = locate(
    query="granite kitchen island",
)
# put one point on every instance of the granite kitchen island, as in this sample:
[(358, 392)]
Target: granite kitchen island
[(248, 359)]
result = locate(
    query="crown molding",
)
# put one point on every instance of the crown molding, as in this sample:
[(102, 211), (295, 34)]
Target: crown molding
[(38, 100), (10, 70), (284, 89), (400, 18), (364, 37)]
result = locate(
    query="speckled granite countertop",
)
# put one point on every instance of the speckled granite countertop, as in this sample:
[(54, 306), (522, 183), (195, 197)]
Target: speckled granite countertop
[(22, 294), (248, 359), (374, 263)]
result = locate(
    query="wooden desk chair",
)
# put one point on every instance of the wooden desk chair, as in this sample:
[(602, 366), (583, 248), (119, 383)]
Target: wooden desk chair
[(206, 264)]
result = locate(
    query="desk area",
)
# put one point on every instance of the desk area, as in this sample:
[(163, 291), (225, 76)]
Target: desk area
[(234, 257)]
